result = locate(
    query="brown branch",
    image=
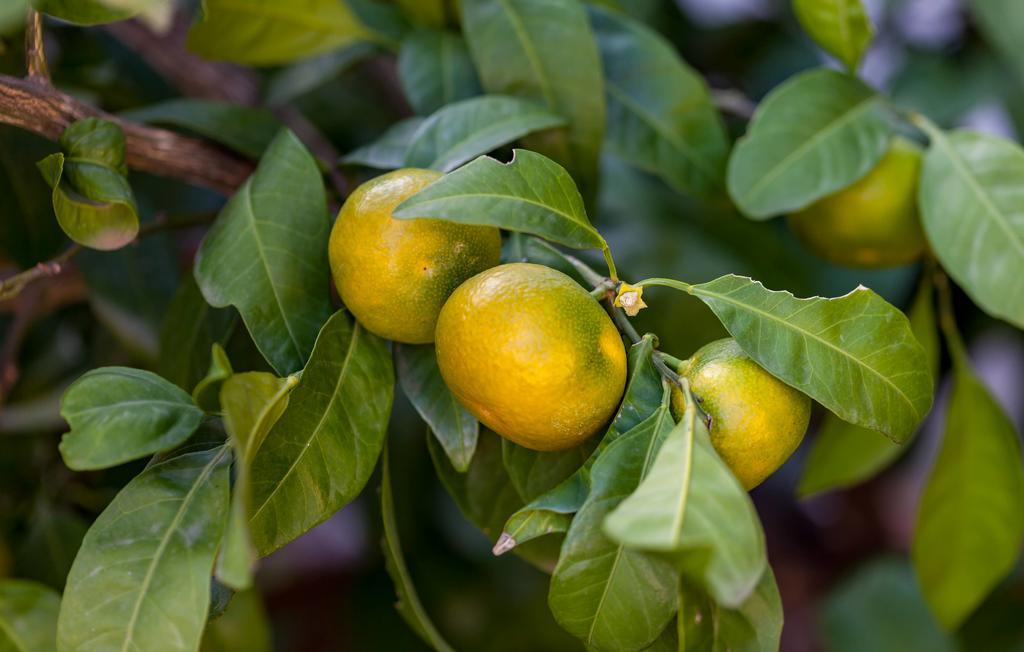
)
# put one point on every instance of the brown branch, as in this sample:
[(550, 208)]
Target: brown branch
[(45, 111), (35, 55)]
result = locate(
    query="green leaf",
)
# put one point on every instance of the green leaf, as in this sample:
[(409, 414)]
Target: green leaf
[(408, 605), (300, 78), (660, 115), (880, 608), (552, 511), (119, 414), (267, 32), (28, 617), (462, 131), (266, 255), (754, 626), (244, 129), (544, 50), (531, 194), (252, 402), (389, 150), (207, 391), (970, 196), (91, 196), (320, 454), (424, 12), (12, 17), (435, 70), (47, 551), (190, 329), (243, 626), (1002, 24), (83, 12), (812, 136), (840, 27), (971, 516), (535, 473), (609, 596), (854, 354), (141, 580), (454, 427), (690, 506)]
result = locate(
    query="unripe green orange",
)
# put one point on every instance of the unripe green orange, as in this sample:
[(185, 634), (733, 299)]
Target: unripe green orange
[(874, 222), (394, 275), (756, 420)]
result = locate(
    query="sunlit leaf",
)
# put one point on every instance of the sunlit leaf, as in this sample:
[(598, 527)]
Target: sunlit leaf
[(83, 12), (119, 414), (321, 452), (435, 70), (141, 580), (28, 617), (840, 27), (810, 137)]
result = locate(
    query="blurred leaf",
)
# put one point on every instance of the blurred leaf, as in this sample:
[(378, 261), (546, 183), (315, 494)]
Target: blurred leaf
[(83, 12), (190, 329), (755, 626), (843, 454), (387, 152), (530, 194), (812, 136), (91, 196), (462, 131), (1002, 23), (244, 129), (49, 548), (300, 78), (28, 231), (970, 196), (535, 473), (880, 608), (424, 12), (12, 18), (660, 116), (243, 626), (609, 596), (435, 70), (408, 605), (854, 354), (265, 32), (552, 511), (971, 516), (119, 414), (207, 391), (454, 427), (28, 616), (690, 506), (252, 402), (141, 580), (266, 254), (322, 451), (840, 27), (544, 50)]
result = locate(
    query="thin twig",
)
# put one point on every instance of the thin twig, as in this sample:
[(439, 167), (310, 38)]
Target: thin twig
[(35, 54)]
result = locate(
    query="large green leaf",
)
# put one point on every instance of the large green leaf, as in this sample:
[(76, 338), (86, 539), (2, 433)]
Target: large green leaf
[(843, 454), (812, 136), (1002, 23), (544, 50), (141, 580), (91, 197), (267, 254), (252, 403), (462, 131), (408, 605), (244, 129), (191, 327), (321, 452), (690, 506), (660, 115), (552, 511), (854, 354), (454, 427), (268, 32), (389, 150), (609, 596), (119, 414), (28, 617), (754, 626), (435, 70), (971, 515), (530, 194), (840, 27), (972, 186)]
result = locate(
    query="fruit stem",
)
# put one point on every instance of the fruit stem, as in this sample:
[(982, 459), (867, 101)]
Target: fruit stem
[(666, 282), (612, 272), (947, 320), (672, 361)]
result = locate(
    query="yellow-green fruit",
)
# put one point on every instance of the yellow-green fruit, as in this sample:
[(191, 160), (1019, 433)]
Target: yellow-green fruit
[(874, 222), (532, 355), (756, 420), (394, 275)]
